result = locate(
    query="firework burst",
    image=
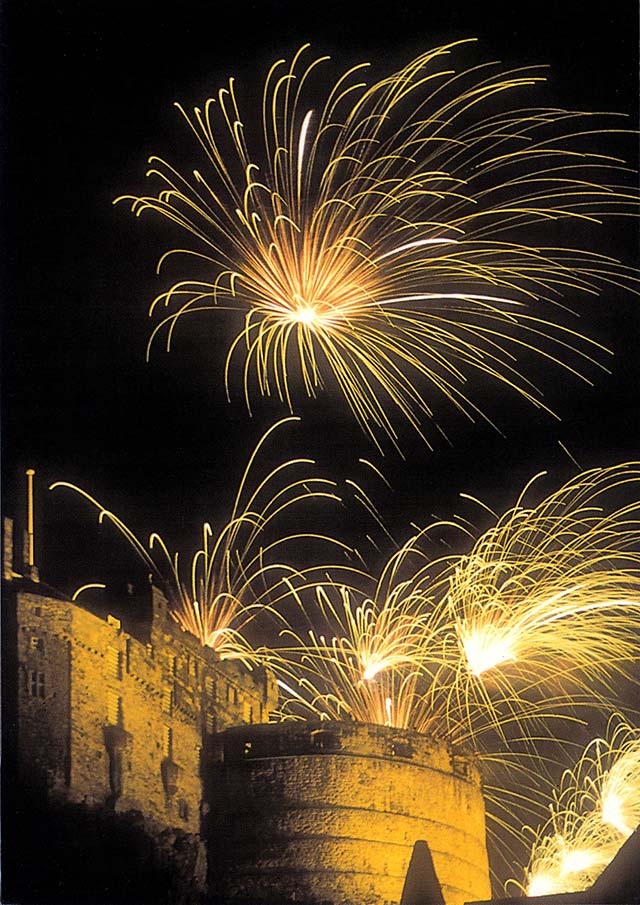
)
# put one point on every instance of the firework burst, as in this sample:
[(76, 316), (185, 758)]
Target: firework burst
[(358, 651), (547, 603), (540, 617), (238, 573), (595, 809), (359, 656), (383, 657), (381, 239)]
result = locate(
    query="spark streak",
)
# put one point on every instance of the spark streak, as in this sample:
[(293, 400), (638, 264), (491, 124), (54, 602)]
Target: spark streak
[(550, 596), (595, 809), (237, 574), (382, 241), (539, 618)]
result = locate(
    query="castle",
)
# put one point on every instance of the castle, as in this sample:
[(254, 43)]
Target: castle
[(140, 719)]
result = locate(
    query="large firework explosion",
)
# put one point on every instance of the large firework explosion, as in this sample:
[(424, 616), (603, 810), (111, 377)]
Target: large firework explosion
[(237, 574), (394, 239), (539, 617), (596, 807), (547, 602)]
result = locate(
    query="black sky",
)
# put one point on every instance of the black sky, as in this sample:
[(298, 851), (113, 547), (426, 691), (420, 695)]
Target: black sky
[(88, 90)]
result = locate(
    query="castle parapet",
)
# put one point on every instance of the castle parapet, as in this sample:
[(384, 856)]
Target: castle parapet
[(330, 812)]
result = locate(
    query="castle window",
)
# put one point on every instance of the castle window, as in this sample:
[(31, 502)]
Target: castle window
[(183, 809), (196, 668), (127, 655), (41, 685), (229, 693), (33, 683), (37, 643), (173, 665), (167, 742), (150, 651), (235, 695), (251, 713), (114, 663), (167, 701), (210, 687), (37, 611), (399, 747), (210, 722), (324, 740)]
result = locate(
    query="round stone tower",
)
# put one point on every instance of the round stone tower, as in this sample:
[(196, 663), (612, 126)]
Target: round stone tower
[(330, 812)]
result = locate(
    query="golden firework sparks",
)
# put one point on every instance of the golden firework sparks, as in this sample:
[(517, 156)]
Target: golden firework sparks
[(379, 657), (547, 602), (619, 781), (539, 618), (356, 660), (237, 573), (382, 239), (595, 808)]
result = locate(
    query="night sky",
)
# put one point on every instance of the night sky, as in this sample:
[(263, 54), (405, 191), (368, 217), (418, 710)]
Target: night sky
[(88, 96)]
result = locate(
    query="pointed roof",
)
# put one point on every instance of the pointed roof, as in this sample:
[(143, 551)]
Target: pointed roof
[(421, 885)]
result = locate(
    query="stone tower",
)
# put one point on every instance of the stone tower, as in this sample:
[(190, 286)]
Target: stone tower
[(330, 813)]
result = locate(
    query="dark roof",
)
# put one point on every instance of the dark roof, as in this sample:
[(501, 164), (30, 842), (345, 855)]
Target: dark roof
[(40, 588), (421, 886)]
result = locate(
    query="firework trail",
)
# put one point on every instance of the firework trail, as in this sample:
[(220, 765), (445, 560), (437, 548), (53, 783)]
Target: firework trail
[(385, 656), (360, 653), (540, 617), (237, 574), (547, 602), (596, 807), (393, 241)]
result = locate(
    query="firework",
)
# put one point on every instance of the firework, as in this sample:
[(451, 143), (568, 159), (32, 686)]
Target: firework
[(238, 573), (547, 603), (359, 652), (380, 240), (595, 809), (357, 659), (541, 616), (381, 657), (619, 788)]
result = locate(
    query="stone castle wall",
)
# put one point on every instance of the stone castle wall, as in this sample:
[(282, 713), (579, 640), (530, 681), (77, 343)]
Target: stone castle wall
[(107, 718), (330, 812), (44, 692), (315, 812)]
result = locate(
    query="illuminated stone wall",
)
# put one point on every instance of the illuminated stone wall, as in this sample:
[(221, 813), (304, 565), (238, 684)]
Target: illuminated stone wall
[(105, 718), (297, 811), (330, 812), (44, 691)]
